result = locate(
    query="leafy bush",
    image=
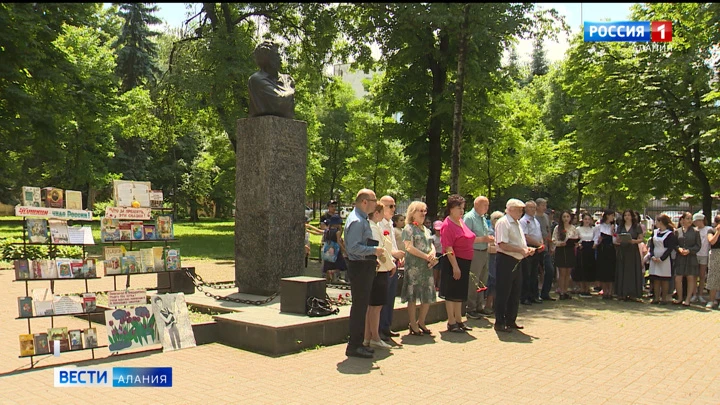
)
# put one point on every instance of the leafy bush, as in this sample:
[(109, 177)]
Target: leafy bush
[(99, 207), (12, 249)]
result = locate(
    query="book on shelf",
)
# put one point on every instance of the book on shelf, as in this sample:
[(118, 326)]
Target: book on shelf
[(136, 230), (36, 267), (27, 344), (158, 259), (128, 264), (64, 344), (42, 301), (31, 196), (66, 304), (73, 200), (58, 333), (125, 230), (90, 337), (147, 261), (149, 232), (164, 227), (48, 268), (89, 302), (37, 230), (75, 338), (109, 229), (22, 269), (172, 259), (76, 268), (63, 266), (80, 235), (89, 268), (40, 341), (113, 254), (58, 231), (52, 197), (127, 191), (25, 307), (138, 260)]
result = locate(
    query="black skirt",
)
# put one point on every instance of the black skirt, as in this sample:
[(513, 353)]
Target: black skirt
[(585, 267), (565, 256), (451, 289), (379, 292), (606, 262)]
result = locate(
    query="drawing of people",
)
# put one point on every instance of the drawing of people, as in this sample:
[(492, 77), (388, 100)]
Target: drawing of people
[(168, 317)]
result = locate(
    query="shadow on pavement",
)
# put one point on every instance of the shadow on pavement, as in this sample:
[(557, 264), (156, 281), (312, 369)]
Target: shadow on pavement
[(455, 337), (354, 365), (516, 336)]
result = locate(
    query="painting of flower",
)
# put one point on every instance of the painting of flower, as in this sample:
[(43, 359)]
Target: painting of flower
[(131, 328)]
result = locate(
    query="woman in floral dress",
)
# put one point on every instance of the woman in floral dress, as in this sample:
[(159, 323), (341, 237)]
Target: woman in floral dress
[(420, 257)]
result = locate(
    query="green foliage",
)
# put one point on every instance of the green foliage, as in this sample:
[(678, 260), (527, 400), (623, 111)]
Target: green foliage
[(12, 249), (136, 52)]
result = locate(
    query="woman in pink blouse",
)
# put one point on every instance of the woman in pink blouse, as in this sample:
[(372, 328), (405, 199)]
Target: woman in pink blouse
[(457, 242)]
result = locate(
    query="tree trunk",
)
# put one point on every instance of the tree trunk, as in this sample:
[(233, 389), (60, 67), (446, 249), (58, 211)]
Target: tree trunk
[(702, 178), (489, 177), (457, 113), (579, 195), (439, 76)]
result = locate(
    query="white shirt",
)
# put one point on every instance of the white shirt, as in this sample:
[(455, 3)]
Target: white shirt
[(607, 229), (705, 246), (384, 242), (386, 225), (531, 227), (586, 233), (507, 230)]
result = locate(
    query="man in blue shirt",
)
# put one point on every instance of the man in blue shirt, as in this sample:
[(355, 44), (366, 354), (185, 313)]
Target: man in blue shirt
[(476, 222), (363, 252)]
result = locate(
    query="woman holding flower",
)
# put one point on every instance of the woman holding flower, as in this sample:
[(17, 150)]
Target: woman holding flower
[(605, 241), (379, 292), (419, 260)]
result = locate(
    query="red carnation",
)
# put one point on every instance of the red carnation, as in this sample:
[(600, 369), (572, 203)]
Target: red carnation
[(386, 233), (415, 223), (347, 294), (481, 289)]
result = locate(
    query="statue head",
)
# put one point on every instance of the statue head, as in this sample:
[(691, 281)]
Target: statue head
[(267, 56)]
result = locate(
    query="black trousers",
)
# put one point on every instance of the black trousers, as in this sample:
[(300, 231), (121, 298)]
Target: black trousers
[(530, 266), (362, 274), (507, 289)]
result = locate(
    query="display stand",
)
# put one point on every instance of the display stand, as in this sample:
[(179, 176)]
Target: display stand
[(44, 213)]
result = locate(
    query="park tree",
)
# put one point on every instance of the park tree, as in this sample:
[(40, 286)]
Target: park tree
[(539, 64), (135, 46), (650, 110)]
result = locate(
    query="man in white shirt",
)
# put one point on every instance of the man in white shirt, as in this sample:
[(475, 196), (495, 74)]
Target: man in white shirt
[(386, 313), (533, 236), (511, 250)]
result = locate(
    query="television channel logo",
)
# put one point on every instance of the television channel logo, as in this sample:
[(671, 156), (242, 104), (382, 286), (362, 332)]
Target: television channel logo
[(125, 377), (628, 31)]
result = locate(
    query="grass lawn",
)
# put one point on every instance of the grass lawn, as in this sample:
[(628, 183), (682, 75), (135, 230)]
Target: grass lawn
[(209, 239)]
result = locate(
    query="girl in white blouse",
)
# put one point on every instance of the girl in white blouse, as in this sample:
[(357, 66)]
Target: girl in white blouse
[(605, 241), (584, 271), (564, 237)]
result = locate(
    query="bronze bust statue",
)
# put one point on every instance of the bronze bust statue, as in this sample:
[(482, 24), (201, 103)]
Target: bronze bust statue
[(271, 93)]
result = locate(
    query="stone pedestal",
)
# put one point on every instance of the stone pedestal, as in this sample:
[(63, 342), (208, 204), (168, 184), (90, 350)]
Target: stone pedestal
[(270, 202), (294, 292)]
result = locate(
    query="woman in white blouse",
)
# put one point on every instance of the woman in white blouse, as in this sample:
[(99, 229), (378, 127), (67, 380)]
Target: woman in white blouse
[(605, 241), (584, 271), (378, 294), (564, 237)]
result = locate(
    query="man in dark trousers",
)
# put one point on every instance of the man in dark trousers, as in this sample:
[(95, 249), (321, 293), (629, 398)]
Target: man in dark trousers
[(511, 250), (325, 218), (363, 252)]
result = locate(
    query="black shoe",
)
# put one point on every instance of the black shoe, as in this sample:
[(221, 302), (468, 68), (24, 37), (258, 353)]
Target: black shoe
[(515, 326), (526, 302), (536, 300), (361, 352), (389, 333), (455, 328), (549, 298), (501, 328), (464, 327), (473, 315)]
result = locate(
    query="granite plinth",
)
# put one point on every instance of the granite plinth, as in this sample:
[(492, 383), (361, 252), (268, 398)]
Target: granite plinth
[(270, 202), (295, 291)]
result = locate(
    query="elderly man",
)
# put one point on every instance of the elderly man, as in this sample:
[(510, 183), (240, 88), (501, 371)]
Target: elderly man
[(476, 222), (386, 225), (363, 252), (533, 237), (511, 250), (546, 258)]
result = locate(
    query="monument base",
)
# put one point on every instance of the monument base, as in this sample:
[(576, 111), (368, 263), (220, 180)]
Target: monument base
[(270, 202)]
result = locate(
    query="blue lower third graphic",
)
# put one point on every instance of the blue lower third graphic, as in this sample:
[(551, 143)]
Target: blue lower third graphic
[(142, 377), (115, 377)]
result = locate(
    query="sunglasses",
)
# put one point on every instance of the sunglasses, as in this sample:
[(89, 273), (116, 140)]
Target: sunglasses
[(391, 206)]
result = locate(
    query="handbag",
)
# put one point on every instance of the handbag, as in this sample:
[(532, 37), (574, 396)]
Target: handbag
[(316, 307), (330, 251)]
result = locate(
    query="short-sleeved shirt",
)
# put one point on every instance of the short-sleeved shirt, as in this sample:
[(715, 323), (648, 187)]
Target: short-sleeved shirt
[(705, 243), (478, 225), (544, 222), (507, 230), (325, 218), (530, 226), (459, 238)]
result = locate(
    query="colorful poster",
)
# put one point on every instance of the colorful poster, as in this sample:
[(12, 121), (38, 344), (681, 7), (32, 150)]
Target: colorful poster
[(173, 321), (131, 328)]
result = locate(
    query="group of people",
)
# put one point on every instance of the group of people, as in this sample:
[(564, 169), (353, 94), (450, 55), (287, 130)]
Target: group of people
[(484, 265)]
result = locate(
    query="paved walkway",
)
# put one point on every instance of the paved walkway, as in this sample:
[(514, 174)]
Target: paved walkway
[(583, 351)]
